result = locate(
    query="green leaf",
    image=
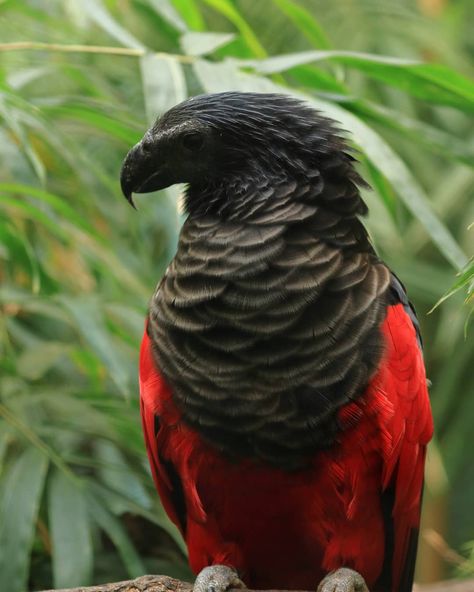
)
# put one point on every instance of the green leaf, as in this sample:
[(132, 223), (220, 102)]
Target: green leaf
[(198, 44), (284, 62), (222, 76), (5, 438), (432, 137), (35, 361), (383, 188), (217, 77), (10, 231), (26, 428), (20, 78), (96, 120), (164, 84), (21, 493), (70, 532), (305, 21), (34, 213), (14, 123), (168, 12), (317, 80), (117, 475), (190, 12), (430, 82), (32, 304), (102, 17), (117, 534), (227, 8), (465, 280), (90, 323), (156, 515), (58, 204)]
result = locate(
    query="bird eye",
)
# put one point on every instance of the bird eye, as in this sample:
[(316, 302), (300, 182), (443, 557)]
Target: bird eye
[(193, 141)]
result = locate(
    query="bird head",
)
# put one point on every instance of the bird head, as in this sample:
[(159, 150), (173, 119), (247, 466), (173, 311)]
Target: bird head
[(209, 139)]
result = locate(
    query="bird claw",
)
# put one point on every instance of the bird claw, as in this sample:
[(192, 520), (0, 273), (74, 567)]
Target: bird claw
[(217, 578), (343, 580)]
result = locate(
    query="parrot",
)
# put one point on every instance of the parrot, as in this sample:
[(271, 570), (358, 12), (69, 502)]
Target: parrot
[(283, 393)]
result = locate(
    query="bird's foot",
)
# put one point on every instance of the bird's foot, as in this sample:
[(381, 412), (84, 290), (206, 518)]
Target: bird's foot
[(217, 578), (343, 580)]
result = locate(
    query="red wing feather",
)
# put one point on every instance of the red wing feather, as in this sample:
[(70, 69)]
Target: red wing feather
[(153, 393), (404, 380)]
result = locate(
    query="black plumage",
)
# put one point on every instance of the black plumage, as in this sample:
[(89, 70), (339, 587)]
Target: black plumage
[(267, 320)]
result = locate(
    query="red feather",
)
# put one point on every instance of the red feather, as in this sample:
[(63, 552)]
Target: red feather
[(288, 529)]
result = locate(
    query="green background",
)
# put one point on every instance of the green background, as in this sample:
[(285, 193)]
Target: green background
[(78, 265)]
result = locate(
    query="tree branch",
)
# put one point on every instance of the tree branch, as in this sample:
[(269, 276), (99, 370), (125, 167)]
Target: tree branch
[(166, 584)]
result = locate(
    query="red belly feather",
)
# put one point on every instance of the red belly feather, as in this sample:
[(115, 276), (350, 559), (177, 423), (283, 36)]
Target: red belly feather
[(288, 529)]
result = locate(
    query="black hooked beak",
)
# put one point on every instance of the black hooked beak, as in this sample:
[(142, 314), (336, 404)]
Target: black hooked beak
[(141, 171)]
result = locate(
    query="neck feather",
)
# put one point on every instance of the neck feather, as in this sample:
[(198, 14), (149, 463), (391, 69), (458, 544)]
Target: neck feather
[(267, 321)]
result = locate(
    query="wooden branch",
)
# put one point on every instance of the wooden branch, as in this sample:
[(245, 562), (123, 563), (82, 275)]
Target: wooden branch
[(448, 586), (166, 584), (143, 584)]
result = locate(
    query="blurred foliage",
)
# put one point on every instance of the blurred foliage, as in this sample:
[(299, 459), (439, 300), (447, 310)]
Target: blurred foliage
[(78, 265), (465, 281)]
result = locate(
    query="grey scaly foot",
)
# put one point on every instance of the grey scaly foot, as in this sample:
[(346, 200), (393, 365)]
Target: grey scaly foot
[(343, 580), (217, 578)]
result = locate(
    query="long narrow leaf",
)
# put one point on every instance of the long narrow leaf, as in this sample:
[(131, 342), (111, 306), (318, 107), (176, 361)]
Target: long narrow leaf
[(166, 10), (21, 493), (96, 120), (430, 82), (117, 474), (432, 137), (34, 213), (164, 84), (96, 10), (198, 44), (190, 12), (117, 534), (4, 441), (305, 21), (89, 321), (156, 514), (13, 121), (227, 8), (70, 532), (58, 204), (465, 280)]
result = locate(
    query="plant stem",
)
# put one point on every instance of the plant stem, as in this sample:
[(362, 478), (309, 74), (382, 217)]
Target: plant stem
[(95, 49)]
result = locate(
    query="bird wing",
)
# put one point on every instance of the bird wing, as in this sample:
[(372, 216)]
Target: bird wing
[(154, 393), (410, 429)]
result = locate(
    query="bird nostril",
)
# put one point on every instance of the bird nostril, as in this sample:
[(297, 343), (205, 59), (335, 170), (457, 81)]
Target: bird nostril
[(147, 144)]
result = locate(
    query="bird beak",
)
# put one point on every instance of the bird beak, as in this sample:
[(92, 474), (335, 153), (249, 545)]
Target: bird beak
[(128, 175), (141, 171)]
